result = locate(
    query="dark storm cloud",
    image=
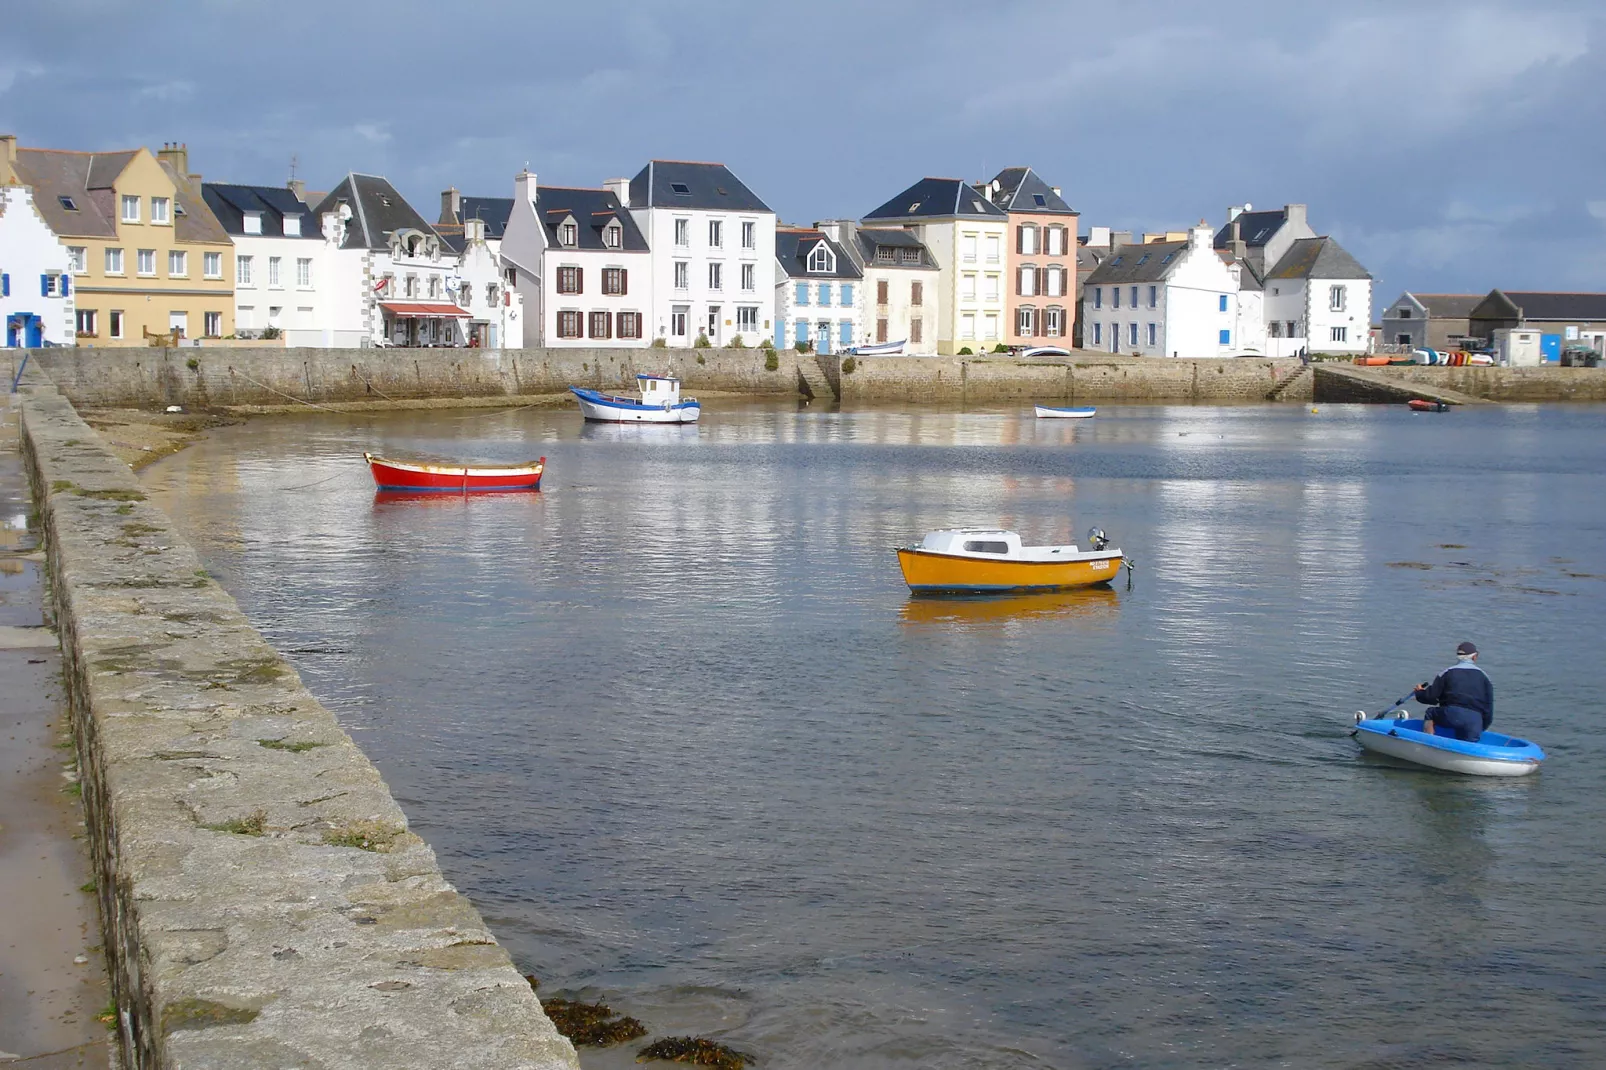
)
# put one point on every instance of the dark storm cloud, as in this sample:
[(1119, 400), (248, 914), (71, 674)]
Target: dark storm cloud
[(1450, 147)]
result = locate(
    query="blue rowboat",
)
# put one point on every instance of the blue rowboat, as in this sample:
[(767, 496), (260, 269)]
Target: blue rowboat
[(1493, 755), (1050, 412)]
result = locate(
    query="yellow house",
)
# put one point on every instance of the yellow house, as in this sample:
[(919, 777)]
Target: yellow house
[(147, 255)]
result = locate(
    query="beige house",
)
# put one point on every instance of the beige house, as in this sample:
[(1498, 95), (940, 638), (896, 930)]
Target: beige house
[(1041, 252), (148, 257)]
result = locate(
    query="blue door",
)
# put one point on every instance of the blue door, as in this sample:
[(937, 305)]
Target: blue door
[(1550, 348), (36, 333), (24, 329)]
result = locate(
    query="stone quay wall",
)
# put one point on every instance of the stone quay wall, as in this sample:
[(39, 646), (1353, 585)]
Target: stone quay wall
[(969, 380), (263, 902), (1544, 383)]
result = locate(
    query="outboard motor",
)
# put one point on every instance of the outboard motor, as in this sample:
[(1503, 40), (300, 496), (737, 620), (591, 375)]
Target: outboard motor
[(1096, 539)]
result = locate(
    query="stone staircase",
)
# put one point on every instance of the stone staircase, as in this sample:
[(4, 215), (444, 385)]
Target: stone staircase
[(1297, 387), (811, 379)]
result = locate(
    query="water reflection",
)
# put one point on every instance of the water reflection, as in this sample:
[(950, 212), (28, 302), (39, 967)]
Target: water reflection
[(1092, 604)]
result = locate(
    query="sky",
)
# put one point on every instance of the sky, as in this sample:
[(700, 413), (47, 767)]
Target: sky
[(1451, 147)]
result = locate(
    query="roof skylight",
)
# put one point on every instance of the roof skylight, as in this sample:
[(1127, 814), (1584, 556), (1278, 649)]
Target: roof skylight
[(68, 203), (681, 188)]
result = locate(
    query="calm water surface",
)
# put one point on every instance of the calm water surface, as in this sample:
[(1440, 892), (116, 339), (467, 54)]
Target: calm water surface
[(679, 730)]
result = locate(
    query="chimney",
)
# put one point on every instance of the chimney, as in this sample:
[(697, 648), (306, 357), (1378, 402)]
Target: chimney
[(1295, 215), (8, 152), (1201, 236), (831, 228), (1056, 190), (620, 188), (1119, 238), (451, 206), (177, 156), (298, 187), (1233, 213), (474, 230), (525, 187), (1098, 237)]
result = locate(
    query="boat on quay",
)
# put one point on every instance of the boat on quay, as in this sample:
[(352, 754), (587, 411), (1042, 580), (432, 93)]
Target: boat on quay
[(988, 561), (1494, 754), (879, 349), (437, 477), (1054, 412), (659, 402), (1423, 405)]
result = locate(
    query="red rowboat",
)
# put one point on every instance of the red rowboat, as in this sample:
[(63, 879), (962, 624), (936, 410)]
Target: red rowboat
[(1419, 405), (458, 478)]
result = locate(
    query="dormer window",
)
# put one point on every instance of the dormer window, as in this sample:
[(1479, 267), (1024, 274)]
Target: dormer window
[(569, 234), (884, 254), (821, 260), (292, 225), (613, 235), (253, 222)]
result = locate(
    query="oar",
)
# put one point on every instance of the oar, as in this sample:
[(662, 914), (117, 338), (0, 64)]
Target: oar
[(1364, 716)]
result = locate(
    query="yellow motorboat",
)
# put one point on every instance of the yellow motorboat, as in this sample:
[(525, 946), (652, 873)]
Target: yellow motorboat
[(983, 560)]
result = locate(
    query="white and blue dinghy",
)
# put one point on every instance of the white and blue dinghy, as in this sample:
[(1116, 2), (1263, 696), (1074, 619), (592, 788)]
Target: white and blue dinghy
[(658, 403), (1402, 737), (1051, 412)]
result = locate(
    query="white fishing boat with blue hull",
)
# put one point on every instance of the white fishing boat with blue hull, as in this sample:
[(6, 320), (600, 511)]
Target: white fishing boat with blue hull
[(658, 403), (1053, 412), (1493, 755)]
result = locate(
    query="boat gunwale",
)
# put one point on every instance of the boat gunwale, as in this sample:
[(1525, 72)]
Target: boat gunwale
[(617, 401), (1517, 751), (431, 468), (1077, 557)]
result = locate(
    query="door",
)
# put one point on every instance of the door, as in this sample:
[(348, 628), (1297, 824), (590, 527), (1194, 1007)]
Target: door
[(822, 334), (713, 325), (35, 332)]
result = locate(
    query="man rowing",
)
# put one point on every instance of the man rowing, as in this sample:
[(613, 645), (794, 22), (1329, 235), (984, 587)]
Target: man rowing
[(1461, 697)]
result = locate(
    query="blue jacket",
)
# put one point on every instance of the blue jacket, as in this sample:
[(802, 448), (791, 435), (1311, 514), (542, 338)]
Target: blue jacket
[(1462, 684)]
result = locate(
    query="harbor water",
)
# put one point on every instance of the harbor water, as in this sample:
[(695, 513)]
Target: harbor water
[(678, 729)]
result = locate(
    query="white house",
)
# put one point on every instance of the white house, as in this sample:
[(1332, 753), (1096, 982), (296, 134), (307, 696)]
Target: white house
[(965, 233), (819, 299), (901, 298), (393, 278), (581, 265), (1318, 299), (1171, 299), (472, 228), (281, 261), (712, 245), (1261, 239), (36, 289)]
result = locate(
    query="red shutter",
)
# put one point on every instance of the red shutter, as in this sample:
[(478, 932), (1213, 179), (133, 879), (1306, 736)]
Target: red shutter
[(917, 293), (624, 281), (1042, 280), (1020, 241), (881, 292), (579, 280)]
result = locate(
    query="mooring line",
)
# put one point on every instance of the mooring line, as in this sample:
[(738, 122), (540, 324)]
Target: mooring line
[(281, 393)]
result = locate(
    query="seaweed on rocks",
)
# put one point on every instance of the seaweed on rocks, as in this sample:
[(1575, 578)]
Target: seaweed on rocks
[(696, 1051), (594, 1024)]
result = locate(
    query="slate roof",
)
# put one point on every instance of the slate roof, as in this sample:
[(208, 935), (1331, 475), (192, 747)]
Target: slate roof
[(1021, 190), (230, 203), (793, 246), (1151, 262), (492, 211), (85, 178), (1255, 228), (682, 184), (1317, 258), (592, 210), (938, 198), (872, 238), (193, 220), (1534, 305), (1247, 279), (377, 211), (1446, 306)]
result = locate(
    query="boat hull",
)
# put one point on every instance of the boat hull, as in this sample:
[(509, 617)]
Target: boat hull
[(1420, 405), (927, 572), (453, 479), (605, 408), (1049, 412), (1493, 755)]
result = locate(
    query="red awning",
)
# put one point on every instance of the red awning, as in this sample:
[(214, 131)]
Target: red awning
[(399, 308)]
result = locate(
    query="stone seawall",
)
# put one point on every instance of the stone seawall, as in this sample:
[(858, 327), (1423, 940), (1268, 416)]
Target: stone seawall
[(202, 378), (969, 380), (263, 902), (1550, 383)]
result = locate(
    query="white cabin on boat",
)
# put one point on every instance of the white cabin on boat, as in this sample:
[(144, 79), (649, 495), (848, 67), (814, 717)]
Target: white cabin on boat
[(658, 389), (991, 542)]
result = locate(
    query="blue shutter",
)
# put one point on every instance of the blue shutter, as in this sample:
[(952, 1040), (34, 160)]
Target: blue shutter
[(845, 332), (802, 330), (66, 285), (847, 295), (1226, 336), (803, 294), (825, 295), (1223, 302), (5, 285), (44, 286)]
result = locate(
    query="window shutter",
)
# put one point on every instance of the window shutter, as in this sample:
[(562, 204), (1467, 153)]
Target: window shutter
[(917, 293), (881, 292), (66, 285), (5, 285), (1042, 280), (624, 281), (44, 286), (1020, 289), (1020, 240), (579, 280)]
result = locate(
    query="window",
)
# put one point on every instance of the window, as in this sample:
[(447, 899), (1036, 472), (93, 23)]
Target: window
[(747, 319), (1134, 297), (612, 235), (601, 325), (114, 323), (1054, 282), (1098, 334), (1054, 322), (1026, 239), (435, 286), (992, 244), (967, 287), (1340, 334), (716, 276), (614, 281), (1154, 334), (1026, 281), (569, 235), (967, 248), (180, 322), (824, 300), (1115, 297), (749, 275), (1293, 329), (50, 286), (274, 265), (304, 272), (1399, 339), (86, 323), (681, 188), (1336, 300), (1223, 304), (67, 203), (1098, 297), (1404, 313), (801, 298), (885, 254), (987, 547), (570, 280), (917, 293), (568, 324), (1025, 322), (716, 234), (881, 293), (161, 210), (1274, 329), (677, 320), (683, 233), (820, 258), (914, 330), (1226, 338), (292, 225), (242, 271), (213, 324), (1154, 296), (130, 209), (749, 235), (465, 294), (145, 263), (628, 325), (1054, 241), (967, 326), (1132, 333), (845, 299), (410, 286), (989, 327), (908, 256), (682, 275), (212, 265), (253, 222), (178, 264)]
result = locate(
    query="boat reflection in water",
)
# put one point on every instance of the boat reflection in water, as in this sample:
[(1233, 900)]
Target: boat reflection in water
[(592, 431), (453, 501), (1089, 603)]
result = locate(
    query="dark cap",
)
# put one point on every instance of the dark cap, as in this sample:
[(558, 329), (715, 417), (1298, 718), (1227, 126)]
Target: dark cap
[(1463, 649)]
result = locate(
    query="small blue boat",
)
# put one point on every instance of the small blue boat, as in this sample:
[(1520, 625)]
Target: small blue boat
[(1050, 412), (1493, 755), (658, 403)]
